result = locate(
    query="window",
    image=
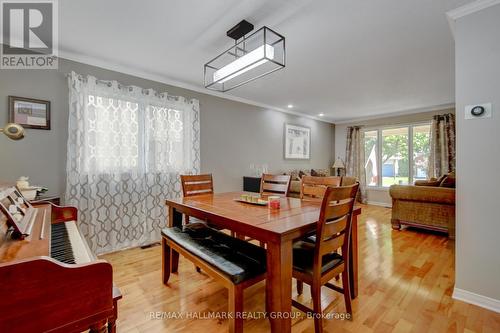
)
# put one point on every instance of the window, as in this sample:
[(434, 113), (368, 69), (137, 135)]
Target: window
[(396, 155)]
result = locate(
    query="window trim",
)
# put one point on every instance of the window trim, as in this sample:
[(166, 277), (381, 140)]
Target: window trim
[(379, 129)]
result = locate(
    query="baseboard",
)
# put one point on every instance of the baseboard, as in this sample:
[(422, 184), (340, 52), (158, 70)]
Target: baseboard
[(476, 299), (382, 204)]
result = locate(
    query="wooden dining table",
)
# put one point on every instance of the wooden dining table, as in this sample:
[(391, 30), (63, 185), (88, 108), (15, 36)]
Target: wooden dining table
[(277, 228)]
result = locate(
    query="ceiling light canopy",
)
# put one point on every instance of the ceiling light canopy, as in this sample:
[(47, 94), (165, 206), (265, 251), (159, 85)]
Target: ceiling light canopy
[(251, 57)]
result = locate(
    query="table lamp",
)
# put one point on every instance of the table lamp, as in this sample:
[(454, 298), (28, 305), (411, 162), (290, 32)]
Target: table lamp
[(13, 131), (338, 165)]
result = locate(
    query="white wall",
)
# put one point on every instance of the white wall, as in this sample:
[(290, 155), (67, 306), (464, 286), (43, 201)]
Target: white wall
[(233, 134), (477, 43), (380, 195)]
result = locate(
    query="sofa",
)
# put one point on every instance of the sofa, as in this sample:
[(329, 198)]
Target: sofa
[(426, 204), (296, 175)]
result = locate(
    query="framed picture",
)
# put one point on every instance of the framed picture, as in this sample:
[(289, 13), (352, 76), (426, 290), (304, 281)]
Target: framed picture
[(29, 112), (297, 142)]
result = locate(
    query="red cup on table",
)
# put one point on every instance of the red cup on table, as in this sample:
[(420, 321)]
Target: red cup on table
[(274, 202)]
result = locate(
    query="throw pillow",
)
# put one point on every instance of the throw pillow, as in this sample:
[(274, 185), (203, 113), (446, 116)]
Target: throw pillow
[(319, 172), (449, 180)]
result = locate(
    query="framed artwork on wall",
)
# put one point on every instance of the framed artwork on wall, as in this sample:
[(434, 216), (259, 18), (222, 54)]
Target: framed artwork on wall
[(29, 112), (297, 142)]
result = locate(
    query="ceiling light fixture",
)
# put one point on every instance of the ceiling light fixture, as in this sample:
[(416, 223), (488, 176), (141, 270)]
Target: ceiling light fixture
[(290, 106), (321, 114), (251, 57)]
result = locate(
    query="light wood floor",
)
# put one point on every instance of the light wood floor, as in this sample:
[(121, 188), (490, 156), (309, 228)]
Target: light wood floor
[(406, 282)]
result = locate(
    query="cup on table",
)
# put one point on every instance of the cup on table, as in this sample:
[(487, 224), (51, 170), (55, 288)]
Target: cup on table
[(274, 201)]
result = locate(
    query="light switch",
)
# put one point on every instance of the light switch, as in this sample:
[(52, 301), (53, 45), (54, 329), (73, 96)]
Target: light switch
[(477, 111)]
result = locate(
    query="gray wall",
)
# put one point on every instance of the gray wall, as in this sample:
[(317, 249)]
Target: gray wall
[(233, 134), (477, 43), (379, 196)]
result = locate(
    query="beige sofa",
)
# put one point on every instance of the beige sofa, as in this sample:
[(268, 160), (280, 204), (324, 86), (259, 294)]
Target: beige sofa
[(297, 174), (427, 204)]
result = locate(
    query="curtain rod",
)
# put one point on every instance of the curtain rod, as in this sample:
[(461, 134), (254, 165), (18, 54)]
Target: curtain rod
[(109, 83)]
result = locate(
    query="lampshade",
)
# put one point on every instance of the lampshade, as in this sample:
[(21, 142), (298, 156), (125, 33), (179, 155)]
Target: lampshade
[(254, 56), (339, 164)]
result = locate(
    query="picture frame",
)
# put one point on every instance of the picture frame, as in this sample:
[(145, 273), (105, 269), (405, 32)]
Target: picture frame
[(29, 112), (297, 142)]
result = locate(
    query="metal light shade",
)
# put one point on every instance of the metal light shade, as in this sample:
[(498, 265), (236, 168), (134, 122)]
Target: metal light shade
[(256, 55), (13, 131)]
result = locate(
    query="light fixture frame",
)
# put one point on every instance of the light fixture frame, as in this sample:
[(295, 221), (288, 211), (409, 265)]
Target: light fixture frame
[(237, 45)]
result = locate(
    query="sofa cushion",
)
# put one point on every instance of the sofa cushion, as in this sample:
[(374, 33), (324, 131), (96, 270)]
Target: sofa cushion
[(238, 259), (319, 172), (303, 258), (433, 194), (429, 182)]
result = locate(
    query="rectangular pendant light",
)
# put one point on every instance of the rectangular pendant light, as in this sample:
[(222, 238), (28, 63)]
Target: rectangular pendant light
[(245, 63), (254, 56)]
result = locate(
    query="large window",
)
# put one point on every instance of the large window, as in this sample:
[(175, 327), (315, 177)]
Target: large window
[(396, 155)]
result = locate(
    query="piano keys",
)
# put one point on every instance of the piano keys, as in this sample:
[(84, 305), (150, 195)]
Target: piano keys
[(50, 280)]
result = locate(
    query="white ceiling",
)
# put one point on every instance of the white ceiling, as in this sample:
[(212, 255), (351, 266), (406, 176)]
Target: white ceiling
[(345, 58)]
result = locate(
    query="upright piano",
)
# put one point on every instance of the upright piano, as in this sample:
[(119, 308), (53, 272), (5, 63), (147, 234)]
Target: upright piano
[(50, 281)]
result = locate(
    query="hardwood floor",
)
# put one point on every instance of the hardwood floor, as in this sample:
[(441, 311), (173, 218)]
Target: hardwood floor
[(406, 282)]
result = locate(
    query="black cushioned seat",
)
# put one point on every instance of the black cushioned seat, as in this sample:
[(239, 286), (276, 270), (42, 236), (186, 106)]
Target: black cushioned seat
[(238, 259), (303, 258)]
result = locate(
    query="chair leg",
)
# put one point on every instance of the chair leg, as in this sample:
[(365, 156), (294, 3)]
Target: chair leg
[(174, 261), (235, 306), (347, 292), (316, 297), (165, 261), (300, 287), (396, 224)]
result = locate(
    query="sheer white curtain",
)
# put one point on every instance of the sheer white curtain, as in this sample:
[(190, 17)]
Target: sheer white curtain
[(127, 147)]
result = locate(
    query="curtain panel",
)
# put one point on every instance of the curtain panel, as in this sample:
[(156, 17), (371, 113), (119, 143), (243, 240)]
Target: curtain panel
[(127, 147), (355, 159), (442, 144)]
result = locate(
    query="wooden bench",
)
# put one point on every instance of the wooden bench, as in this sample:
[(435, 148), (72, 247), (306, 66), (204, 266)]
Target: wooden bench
[(233, 262)]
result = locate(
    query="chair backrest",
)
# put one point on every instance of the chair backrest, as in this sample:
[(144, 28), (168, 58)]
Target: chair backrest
[(197, 184), (334, 225), (314, 188), (275, 185)]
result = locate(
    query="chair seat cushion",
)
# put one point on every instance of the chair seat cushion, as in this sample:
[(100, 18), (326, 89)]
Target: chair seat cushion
[(303, 258), (238, 259)]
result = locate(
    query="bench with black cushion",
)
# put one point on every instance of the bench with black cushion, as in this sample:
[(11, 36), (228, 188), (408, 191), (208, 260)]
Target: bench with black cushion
[(237, 264)]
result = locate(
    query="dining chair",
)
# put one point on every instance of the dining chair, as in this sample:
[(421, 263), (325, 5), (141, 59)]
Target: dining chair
[(313, 188), (316, 263), (275, 185), (197, 184)]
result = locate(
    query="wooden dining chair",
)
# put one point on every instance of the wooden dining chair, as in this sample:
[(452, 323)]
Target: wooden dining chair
[(313, 188), (275, 185), (197, 184), (316, 263)]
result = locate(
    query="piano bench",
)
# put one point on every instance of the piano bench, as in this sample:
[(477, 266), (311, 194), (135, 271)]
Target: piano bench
[(233, 262)]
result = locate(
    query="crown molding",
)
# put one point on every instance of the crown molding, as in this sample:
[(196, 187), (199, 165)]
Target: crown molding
[(468, 9), (398, 113), (166, 80)]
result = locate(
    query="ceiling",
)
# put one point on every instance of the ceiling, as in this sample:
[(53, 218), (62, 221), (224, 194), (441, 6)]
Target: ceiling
[(346, 59)]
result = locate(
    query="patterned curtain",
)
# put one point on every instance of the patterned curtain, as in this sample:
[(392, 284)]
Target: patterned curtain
[(127, 147), (442, 157), (355, 159)]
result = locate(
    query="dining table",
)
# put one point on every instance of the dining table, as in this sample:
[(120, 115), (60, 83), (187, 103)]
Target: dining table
[(276, 228)]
